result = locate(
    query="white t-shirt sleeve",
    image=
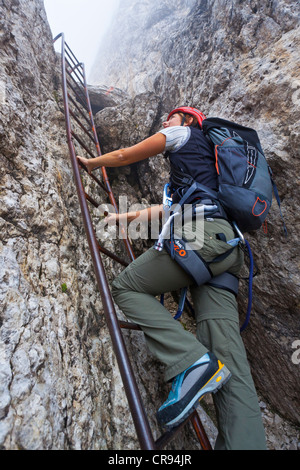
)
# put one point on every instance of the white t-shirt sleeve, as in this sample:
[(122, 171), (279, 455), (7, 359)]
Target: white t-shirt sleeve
[(176, 137)]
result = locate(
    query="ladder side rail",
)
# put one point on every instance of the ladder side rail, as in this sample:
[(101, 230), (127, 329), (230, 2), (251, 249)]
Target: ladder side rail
[(74, 103), (134, 399)]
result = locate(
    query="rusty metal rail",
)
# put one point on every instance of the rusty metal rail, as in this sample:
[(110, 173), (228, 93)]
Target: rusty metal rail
[(77, 109)]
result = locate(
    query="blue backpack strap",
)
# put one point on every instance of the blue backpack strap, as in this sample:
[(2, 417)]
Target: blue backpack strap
[(187, 194), (181, 303)]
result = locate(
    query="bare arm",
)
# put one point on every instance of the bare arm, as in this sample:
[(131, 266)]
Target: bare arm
[(144, 215), (145, 149)]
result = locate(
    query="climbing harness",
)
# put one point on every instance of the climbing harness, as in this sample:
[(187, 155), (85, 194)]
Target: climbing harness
[(191, 261), (177, 214)]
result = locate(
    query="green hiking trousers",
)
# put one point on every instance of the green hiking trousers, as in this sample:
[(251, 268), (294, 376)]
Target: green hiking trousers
[(136, 291)]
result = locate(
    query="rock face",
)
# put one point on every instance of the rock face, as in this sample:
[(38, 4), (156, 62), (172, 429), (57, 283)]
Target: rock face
[(59, 383)]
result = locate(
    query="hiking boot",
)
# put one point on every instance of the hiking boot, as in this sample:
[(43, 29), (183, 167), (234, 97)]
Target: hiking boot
[(206, 375)]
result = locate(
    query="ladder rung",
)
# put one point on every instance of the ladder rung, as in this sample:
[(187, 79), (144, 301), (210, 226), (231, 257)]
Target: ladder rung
[(73, 70), (71, 52), (129, 326), (83, 127), (78, 94), (77, 67), (91, 200), (78, 109), (112, 255), (165, 438), (82, 144)]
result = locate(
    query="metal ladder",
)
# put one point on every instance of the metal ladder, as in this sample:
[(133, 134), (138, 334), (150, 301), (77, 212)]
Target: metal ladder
[(77, 109)]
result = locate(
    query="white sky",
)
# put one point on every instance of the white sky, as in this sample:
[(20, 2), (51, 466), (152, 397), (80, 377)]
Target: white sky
[(83, 22)]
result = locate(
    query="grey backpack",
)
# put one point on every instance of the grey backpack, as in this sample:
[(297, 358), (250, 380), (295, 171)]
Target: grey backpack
[(244, 176)]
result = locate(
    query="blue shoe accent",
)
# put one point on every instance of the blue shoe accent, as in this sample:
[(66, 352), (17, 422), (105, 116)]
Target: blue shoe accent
[(177, 382), (206, 375)]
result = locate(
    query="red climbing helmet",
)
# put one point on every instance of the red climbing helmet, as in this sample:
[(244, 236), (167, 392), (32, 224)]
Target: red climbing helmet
[(188, 110)]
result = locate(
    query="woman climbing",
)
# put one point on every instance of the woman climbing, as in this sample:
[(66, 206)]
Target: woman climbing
[(214, 361)]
